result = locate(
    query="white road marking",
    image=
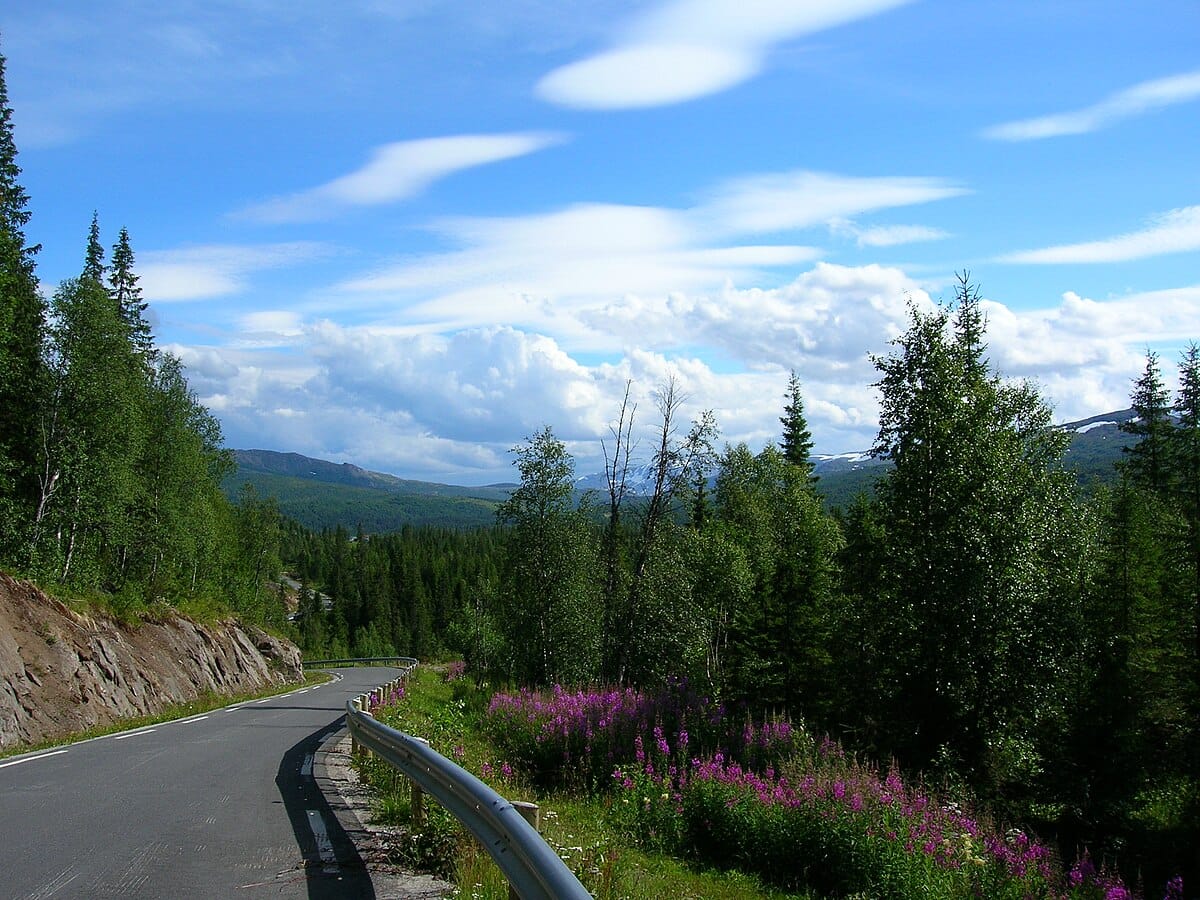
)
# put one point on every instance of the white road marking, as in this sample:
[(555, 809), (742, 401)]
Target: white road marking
[(264, 700), (17, 762), (306, 766), (54, 885), (193, 719), (324, 845), (129, 734)]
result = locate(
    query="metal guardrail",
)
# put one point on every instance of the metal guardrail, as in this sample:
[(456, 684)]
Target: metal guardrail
[(534, 871), (403, 662)]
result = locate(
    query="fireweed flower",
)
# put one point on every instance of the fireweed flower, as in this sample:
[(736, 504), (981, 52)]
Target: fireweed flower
[(657, 750)]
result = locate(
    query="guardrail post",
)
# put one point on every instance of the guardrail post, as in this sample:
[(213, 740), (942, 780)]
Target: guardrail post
[(533, 815), (360, 703), (418, 796)]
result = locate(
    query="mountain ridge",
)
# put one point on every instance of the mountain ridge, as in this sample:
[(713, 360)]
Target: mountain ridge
[(319, 493)]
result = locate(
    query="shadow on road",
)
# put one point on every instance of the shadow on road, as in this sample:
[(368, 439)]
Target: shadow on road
[(332, 865)]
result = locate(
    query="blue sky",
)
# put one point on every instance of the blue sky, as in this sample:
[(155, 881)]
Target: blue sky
[(407, 235)]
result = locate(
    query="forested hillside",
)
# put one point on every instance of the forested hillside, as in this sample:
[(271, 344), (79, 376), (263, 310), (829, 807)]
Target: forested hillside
[(110, 469), (320, 494)]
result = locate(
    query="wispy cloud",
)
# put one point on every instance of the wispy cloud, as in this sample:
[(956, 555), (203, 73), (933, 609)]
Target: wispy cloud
[(801, 199), (398, 171), (1141, 98), (886, 235), (502, 272), (692, 48), (1177, 231), (215, 270)]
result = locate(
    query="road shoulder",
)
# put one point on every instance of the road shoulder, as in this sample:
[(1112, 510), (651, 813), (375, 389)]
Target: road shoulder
[(350, 801)]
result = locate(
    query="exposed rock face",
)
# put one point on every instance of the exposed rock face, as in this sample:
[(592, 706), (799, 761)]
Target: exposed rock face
[(62, 672)]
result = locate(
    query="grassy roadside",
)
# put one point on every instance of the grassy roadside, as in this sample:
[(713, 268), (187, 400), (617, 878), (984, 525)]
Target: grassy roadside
[(206, 702), (578, 825)]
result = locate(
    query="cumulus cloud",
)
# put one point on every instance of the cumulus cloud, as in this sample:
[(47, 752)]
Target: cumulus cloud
[(1134, 101), (215, 270), (824, 321), (1177, 231), (398, 171), (692, 48), (1085, 353), (450, 406)]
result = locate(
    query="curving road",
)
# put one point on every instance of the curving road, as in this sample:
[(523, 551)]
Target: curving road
[(218, 805)]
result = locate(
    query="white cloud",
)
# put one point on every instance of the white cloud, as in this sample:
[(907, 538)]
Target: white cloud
[(648, 75), (449, 406), (503, 272), (607, 254), (692, 48), (886, 235), (269, 328), (800, 199), (1141, 98), (1177, 231), (215, 270), (823, 322), (1084, 353), (398, 171)]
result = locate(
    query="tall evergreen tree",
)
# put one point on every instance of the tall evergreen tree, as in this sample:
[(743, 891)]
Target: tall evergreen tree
[(93, 259), (797, 440), (22, 336), (779, 645), (1185, 459), (1146, 463), (123, 283)]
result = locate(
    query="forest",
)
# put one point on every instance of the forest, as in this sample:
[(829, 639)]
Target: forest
[(110, 468), (977, 620)]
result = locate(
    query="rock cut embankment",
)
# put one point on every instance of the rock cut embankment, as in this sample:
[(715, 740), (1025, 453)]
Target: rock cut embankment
[(61, 672)]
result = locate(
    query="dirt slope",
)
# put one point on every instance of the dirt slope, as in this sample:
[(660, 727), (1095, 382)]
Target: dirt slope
[(62, 672)]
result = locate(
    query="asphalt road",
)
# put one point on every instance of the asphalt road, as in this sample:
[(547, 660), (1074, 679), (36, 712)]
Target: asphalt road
[(218, 805)]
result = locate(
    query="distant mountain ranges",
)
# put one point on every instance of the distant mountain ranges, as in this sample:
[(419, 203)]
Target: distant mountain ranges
[(322, 494)]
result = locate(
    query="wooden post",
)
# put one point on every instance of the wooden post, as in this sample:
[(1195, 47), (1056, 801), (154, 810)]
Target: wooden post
[(418, 796), (530, 813), (533, 815)]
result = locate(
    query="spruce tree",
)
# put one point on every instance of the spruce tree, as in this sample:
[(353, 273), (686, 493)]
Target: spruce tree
[(797, 440), (123, 284), (1185, 462), (93, 261), (22, 335), (1146, 463)]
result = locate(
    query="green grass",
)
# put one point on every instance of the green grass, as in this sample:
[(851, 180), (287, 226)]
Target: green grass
[(578, 827), (206, 702)]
